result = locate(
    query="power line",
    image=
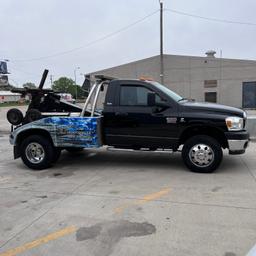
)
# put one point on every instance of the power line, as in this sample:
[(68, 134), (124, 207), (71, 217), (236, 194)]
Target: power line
[(210, 19), (24, 72), (90, 43)]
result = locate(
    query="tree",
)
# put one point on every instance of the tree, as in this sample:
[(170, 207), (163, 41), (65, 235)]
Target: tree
[(29, 85), (67, 85)]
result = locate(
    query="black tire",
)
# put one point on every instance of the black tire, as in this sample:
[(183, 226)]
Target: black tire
[(74, 150), (14, 116), (202, 154), (46, 149), (32, 115), (56, 155)]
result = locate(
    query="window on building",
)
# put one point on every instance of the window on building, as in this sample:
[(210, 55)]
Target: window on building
[(210, 97), (135, 96), (210, 83), (249, 95)]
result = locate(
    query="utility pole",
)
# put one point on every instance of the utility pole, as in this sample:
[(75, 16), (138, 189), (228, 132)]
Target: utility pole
[(161, 43), (51, 79), (75, 79)]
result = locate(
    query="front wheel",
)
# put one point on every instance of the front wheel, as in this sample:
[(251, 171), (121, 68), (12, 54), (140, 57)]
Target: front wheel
[(37, 152), (202, 154)]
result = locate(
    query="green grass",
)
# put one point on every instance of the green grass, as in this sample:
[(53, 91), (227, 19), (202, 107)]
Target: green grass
[(12, 104)]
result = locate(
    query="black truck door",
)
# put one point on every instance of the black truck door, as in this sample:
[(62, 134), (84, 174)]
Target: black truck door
[(131, 123)]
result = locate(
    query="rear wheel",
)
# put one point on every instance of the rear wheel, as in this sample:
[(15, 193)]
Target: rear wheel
[(37, 152), (202, 154)]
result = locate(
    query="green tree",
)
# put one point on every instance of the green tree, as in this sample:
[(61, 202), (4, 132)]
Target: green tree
[(29, 85), (67, 85)]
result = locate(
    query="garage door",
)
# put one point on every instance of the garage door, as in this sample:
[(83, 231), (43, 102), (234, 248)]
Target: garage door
[(249, 95)]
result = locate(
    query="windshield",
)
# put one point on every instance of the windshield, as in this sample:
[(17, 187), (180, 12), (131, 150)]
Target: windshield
[(167, 91)]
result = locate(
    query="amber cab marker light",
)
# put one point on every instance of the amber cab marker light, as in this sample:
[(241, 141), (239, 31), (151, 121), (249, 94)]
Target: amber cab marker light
[(145, 78)]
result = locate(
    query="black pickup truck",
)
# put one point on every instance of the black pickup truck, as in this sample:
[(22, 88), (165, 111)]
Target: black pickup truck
[(139, 115)]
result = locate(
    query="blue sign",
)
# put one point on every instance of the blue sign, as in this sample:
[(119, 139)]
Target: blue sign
[(3, 67)]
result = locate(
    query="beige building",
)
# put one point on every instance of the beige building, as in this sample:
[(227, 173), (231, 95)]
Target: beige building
[(226, 81)]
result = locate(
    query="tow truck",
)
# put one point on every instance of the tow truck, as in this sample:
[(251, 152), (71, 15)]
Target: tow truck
[(137, 115)]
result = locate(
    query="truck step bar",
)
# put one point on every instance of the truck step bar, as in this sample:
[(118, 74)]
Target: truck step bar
[(161, 151)]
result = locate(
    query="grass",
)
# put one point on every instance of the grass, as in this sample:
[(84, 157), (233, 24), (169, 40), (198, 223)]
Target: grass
[(12, 104)]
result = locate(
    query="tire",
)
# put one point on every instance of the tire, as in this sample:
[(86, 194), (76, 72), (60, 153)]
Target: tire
[(37, 152), (32, 115), (202, 154), (14, 116), (74, 150)]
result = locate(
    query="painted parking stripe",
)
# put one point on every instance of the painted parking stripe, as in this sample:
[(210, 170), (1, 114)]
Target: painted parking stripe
[(144, 199), (40, 241), (72, 229)]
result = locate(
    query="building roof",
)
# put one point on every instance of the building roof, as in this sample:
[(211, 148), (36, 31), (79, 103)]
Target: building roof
[(172, 56)]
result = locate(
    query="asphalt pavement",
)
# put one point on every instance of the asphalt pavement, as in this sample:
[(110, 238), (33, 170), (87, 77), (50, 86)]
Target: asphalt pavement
[(101, 203)]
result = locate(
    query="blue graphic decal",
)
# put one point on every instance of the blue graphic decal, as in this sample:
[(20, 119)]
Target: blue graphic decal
[(69, 131)]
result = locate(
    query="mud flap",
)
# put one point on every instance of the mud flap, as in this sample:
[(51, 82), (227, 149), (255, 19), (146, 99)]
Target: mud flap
[(16, 152)]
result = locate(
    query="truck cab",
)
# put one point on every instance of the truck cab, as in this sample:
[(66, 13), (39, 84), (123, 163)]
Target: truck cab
[(140, 115)]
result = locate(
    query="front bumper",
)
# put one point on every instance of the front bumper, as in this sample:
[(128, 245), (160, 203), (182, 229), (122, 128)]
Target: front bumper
[(237, 142)]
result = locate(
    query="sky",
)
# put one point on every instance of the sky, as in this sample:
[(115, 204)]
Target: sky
[(35, 32)]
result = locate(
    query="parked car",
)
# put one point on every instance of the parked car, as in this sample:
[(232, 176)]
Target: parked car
[(138, 115)]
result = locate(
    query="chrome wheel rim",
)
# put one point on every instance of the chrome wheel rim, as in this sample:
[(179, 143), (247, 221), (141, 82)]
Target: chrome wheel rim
[(35, 153), (201, 155)]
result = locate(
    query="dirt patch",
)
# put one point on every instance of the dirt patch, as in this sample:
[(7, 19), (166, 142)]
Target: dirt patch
[(216, 189), (86, 233), (57, 174), (42, 197), (106, 235), (229, 254)]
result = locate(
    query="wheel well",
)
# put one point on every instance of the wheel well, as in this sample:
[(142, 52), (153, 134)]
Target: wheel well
[(204, 130), (30, 132)]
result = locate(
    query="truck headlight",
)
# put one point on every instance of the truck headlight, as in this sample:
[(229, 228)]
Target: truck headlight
[(235, 123)]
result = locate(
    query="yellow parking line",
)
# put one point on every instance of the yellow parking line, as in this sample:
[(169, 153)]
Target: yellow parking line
[(72, 229), (144, 199), (153, 196), (40, 241)]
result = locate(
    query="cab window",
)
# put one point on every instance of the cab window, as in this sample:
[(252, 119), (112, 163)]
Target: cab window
[(135, 96)]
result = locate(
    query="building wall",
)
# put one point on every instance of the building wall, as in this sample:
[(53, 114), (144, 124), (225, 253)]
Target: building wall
[(186, 75), (9, 98)]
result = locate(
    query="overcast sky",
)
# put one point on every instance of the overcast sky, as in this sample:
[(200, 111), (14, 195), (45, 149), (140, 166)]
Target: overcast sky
[(32, 29)]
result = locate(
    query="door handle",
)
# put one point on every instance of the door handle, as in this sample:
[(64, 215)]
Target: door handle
[(121, 114)]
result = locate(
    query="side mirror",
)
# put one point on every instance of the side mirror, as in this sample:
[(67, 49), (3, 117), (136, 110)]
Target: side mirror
[(151, 99)]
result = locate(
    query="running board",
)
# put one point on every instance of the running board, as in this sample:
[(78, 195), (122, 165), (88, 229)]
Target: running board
[(144, 150)]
